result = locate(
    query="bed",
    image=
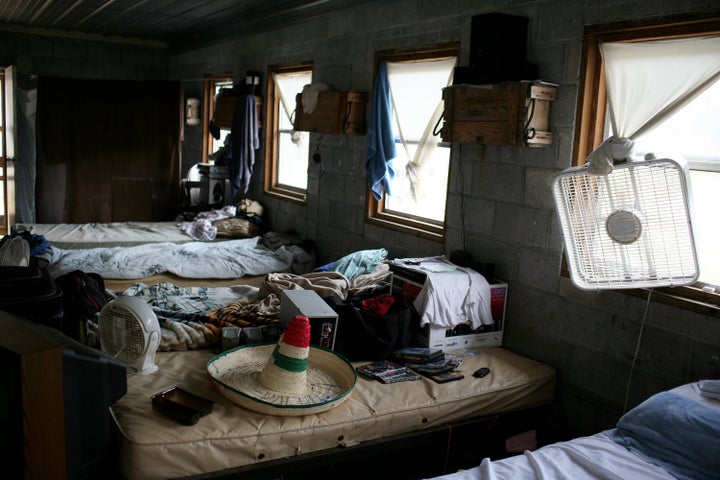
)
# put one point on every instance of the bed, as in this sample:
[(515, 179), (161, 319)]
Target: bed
[(235, 441), (152, 252), (672, 435)]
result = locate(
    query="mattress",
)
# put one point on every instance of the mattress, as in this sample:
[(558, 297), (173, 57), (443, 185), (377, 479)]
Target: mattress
[(153, 446), (670, 435), (116, 234)]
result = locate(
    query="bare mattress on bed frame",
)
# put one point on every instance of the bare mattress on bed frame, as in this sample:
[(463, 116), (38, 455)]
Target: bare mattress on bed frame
[(114, 234), (234, 441)]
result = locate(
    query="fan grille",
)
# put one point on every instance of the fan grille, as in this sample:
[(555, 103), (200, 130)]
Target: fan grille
[(629, 229), (122, 334)]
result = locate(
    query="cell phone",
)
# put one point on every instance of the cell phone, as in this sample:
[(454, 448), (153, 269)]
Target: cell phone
[(181, 405)]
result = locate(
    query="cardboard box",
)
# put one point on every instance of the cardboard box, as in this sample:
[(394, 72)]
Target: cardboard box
[(323, 319), (462, 336)]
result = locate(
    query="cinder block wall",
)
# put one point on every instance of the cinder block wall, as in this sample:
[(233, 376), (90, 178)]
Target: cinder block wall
[(508, 215)]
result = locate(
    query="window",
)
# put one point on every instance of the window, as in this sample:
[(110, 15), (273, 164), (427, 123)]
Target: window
[(213, 85), (693, 132), (6, 190), (418, 191), (286, 150)]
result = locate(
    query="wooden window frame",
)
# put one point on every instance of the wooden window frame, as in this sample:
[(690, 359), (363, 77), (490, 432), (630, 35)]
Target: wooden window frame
[(591, 111), (4, 178), (209, 111), (376, 213), (272, 114)]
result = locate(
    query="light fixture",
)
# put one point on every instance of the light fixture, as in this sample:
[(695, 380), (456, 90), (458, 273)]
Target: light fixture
[(192, 111)]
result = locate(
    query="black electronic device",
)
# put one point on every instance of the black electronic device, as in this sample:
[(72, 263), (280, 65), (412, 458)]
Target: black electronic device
[(445, 377), (498, 49), (481, 372), (181, 405)]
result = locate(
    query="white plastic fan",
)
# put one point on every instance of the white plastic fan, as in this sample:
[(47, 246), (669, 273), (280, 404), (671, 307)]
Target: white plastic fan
[(130, 332), (631, 228), (15, 252)]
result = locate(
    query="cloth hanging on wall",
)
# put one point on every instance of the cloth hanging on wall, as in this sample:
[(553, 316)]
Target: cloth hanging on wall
[(380, 142), (244, 139)]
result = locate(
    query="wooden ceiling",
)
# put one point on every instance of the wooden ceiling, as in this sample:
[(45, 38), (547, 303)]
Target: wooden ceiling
[(175, 24)]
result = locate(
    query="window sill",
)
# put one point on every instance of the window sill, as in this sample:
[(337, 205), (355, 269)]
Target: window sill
[(287, 195), (689, 298), (692, 298), (428, 231)]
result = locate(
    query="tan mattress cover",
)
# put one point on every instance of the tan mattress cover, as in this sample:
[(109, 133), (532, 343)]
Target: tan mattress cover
[(153, 446)]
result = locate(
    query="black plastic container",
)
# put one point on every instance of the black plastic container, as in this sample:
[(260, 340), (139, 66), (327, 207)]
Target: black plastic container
[(31, 293)]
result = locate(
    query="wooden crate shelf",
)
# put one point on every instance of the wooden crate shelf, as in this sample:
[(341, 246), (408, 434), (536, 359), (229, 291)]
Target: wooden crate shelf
[(225, 110), (339, 112), (511, 113)]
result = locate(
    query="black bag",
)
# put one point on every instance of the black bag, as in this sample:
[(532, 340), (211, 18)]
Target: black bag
[(362, 335), (83, 298)]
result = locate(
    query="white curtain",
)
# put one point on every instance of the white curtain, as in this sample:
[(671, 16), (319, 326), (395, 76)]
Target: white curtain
[(9, 102), (288, 85), (407, 118), (646, 83)]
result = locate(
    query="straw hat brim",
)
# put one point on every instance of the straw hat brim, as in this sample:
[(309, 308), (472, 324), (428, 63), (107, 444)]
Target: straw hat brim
[(235, 374)]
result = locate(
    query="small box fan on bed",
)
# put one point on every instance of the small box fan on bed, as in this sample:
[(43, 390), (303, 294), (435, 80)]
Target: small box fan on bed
[(130, 332), (630, 228)]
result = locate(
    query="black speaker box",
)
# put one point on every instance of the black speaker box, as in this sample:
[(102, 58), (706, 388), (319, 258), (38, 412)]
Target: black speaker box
[(498, 49)]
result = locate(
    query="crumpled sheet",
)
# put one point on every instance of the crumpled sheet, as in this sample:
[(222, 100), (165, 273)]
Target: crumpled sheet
[(227, 259), (360, 263), (202, 228)]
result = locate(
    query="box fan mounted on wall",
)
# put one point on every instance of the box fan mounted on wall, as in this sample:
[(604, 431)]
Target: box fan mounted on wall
[(130, 332), (627, 224)]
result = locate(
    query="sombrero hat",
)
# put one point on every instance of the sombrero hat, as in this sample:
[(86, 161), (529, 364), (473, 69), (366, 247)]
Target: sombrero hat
[(287, 378)]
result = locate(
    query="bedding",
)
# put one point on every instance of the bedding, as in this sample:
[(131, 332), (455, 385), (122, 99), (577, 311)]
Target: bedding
[(172, 250), (191, 317), (672, 435), (228, 259), (152, 446)]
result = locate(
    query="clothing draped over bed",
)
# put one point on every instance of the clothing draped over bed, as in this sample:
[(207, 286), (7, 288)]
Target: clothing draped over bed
[(193, 317)]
